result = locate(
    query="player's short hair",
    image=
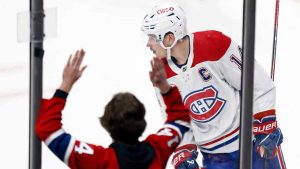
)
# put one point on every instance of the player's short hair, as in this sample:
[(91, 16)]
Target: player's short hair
[(124, 118)]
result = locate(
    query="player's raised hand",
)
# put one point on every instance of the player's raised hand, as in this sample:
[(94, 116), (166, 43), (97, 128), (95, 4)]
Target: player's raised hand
[(158, 75), (73, 70)]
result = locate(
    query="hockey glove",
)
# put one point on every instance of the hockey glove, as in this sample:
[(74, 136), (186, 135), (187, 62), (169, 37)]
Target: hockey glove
[(185, 157), (267, 145), (267, 136)]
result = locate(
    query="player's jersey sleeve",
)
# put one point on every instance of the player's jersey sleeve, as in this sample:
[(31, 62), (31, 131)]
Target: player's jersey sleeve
[(229, 68), (169, 136), (76, 154), (230, 65)]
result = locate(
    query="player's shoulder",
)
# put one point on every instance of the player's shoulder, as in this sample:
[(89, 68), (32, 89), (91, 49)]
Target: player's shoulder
[(210, 35), (209, 45), (211, 38)]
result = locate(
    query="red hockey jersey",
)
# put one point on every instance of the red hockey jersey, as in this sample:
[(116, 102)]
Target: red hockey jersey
[(80, 155)]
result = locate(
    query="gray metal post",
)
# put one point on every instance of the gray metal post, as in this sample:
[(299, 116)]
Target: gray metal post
[(246, 119), (36, 73)]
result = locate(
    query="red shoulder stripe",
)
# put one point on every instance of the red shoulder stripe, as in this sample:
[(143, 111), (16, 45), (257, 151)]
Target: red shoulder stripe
[(209, 46)]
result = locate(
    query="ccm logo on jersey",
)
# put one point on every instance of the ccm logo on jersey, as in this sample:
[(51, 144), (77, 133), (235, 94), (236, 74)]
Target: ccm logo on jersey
[(161, 11), (204, 104)]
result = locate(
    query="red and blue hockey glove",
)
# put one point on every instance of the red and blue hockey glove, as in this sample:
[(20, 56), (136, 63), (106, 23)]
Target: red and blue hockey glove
[(267, 145), (185, 157), (267, 135)]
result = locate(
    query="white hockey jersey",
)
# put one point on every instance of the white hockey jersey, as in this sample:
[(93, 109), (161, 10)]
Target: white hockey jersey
[(209, 84)]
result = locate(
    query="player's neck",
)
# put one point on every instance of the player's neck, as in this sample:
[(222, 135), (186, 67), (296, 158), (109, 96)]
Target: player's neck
[(181, 50)]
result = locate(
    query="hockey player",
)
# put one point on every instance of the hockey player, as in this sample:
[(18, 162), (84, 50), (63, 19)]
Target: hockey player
[(124, 120), (206, 67)]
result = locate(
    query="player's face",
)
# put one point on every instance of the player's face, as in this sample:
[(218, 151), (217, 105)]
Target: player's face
[(155, 46)]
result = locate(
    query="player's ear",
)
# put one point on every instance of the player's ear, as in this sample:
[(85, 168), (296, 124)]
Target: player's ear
[(169, 39), (172, 37)]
